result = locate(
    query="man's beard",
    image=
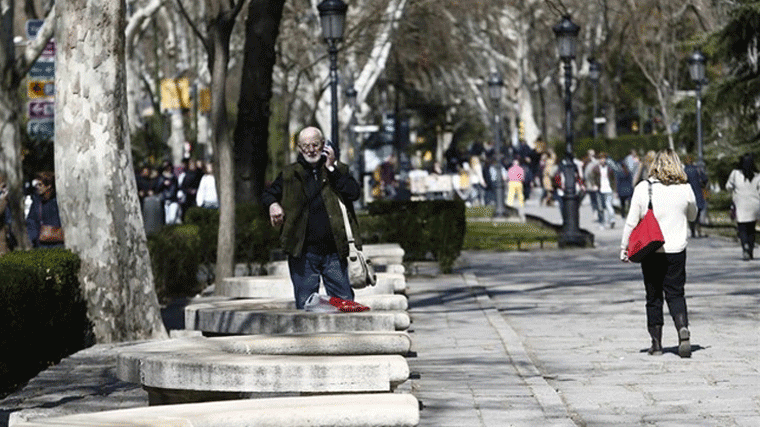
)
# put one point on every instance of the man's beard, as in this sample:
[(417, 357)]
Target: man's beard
[(312, 159)]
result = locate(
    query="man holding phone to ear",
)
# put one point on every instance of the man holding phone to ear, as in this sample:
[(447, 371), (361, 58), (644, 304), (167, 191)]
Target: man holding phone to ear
[(304, 200)]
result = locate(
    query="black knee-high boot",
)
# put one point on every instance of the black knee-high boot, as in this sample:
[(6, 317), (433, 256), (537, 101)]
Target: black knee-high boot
[(656, 333), (682, 326)]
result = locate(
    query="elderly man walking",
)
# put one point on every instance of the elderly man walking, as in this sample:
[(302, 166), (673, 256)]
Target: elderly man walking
[(305, 200)]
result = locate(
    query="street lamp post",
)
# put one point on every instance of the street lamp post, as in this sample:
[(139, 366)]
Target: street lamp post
[(567, 32), (495, 83), (332, 14), (697, 70), (593, 74)]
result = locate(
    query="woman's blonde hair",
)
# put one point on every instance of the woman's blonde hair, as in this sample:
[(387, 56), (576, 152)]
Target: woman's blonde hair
[(667, 168)]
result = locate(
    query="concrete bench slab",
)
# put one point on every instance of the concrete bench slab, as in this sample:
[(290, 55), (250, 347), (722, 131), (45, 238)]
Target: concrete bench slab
[(262, 316), (383, 302), (347, 343), (345, 410), (280, 268), (279, 286), (206, 365), (384, 253)]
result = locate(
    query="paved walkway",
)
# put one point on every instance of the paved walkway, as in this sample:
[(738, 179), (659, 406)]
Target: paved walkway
[(542, 338), (558, 338)]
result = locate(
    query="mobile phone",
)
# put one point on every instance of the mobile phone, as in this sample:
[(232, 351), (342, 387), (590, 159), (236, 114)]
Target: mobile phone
[(324, 149), (331, 145)]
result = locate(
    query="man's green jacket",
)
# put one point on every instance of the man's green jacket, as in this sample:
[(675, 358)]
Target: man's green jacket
[(289, 189)]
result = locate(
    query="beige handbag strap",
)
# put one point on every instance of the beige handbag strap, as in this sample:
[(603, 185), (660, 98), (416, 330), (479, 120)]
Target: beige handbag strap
[(346, 224)]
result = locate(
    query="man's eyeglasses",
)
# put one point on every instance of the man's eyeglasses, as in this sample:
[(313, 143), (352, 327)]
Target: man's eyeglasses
[(311, 146)]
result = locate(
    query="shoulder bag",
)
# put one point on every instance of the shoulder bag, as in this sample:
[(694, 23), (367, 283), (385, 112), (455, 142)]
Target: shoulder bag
[(49, 233), (646, 237), (360, 271)]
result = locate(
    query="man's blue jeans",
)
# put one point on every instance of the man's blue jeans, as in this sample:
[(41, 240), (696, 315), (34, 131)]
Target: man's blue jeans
[(306, 270)]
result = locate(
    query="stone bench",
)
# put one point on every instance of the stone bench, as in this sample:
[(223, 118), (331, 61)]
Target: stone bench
[(278, 286), (280, 268), (379, 302), (384, 253), (345, 410), (386, 257), (201, 369), (262, 316)]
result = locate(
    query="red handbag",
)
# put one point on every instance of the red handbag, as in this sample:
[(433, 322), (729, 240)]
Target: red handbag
[(646, 237)]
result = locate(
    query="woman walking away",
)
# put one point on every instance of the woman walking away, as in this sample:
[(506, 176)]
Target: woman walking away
[(744, 185), (665, 270)]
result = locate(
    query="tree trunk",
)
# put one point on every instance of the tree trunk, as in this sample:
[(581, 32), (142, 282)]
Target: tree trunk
[(252, 128), (10, 128), (97, 193), (219, 32)]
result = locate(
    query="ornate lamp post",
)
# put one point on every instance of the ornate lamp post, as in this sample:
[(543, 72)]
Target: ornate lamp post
[(495, 83), (332, 14), (567, 32), (593, 74), (697, 70)]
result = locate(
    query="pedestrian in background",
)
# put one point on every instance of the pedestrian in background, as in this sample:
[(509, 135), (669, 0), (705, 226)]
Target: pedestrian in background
[(624, 179), (664, 270), (167, 188), (602, 178), (516, 178), (642, 171), (698, 181), (744, 185), (305, 200), (592, 189), (188, 181), (206, 196), (43, 224), (548, 169)]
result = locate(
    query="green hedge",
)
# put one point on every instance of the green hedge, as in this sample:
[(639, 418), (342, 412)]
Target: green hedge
[(430, 228), (617, 148), (44, 316), (175, 257), (255, 239)]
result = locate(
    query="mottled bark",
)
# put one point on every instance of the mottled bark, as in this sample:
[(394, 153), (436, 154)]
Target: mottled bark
[(97, 194), (252, 128)]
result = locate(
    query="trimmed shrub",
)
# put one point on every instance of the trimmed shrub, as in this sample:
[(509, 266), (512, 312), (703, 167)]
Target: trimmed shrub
[(44, 316), (255, 238), (428, 229), (175, 257), (617, 148)]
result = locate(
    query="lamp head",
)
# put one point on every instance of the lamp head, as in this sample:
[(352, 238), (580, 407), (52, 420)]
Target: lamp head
[(566, 32), (697, 62), (332, 14), (594, 70), (495, 83)]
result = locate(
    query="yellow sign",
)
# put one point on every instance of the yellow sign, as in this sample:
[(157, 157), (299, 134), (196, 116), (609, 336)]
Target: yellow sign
[(39, 89), (204, 100), (175, 94)]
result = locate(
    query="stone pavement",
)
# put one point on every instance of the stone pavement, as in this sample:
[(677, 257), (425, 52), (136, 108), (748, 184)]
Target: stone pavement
[(540, 338), (558, 338)]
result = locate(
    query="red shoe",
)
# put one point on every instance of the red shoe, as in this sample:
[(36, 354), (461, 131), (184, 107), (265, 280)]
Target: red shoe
[(347, 306)]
